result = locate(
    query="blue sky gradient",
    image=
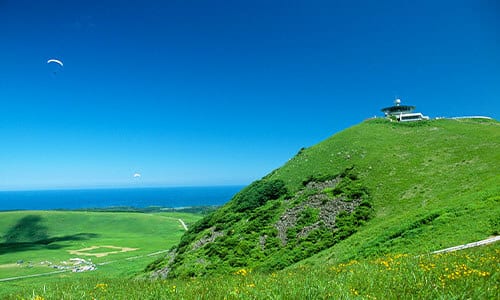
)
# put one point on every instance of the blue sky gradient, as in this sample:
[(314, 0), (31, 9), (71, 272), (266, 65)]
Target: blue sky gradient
[(222, 92)]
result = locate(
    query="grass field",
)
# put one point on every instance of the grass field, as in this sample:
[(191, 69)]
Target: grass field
[(467, 274), (33, 242)]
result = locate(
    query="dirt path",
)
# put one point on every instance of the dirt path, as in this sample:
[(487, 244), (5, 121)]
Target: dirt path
[(34, 275), (180, 221), (469, 245), (183, 224)]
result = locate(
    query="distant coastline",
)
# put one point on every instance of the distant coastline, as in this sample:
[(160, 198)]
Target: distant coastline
[(200, 209), (119, 199)]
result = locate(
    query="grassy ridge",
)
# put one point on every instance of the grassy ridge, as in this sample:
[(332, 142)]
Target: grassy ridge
[(433, 184), (419, 186)]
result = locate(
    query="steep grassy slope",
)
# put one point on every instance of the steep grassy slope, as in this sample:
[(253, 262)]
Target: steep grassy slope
[(433, 184), (376, 188)]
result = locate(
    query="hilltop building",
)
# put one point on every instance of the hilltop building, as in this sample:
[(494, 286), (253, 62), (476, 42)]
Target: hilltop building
[(403, 113)]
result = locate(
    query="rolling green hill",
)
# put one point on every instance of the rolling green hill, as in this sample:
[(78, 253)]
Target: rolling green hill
[(354, 216), (376, 188)]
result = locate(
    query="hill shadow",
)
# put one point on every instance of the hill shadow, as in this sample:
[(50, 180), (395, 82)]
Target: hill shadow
[(30, 234)]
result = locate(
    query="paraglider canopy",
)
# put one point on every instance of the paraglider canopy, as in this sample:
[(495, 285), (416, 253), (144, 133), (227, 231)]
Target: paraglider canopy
[(55, 65), (57, 61)]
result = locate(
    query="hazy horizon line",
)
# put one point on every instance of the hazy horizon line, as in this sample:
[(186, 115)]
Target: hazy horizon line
[(110, 187)]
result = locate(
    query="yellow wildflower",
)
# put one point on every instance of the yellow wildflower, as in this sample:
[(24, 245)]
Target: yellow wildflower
[(101, 286), (241, 272)]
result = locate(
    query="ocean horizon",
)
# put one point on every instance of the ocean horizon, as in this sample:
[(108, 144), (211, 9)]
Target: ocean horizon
[(168, 197)]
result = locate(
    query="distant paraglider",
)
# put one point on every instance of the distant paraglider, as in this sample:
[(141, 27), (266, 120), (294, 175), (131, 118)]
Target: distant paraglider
[(56, 65), (52, 60)]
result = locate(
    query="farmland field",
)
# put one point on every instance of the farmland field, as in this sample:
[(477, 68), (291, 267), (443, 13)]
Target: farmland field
[(117, 244)]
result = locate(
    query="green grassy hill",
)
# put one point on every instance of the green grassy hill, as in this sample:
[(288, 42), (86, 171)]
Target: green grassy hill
[(433, 184), (352, 217), (376, 188)]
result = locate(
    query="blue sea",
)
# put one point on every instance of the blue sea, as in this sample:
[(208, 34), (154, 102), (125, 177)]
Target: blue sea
[(172, 197)]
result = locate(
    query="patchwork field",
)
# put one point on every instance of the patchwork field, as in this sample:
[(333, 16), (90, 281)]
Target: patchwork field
[(44, 246)]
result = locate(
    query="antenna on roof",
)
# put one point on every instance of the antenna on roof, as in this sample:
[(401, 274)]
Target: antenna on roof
[(396, 95)]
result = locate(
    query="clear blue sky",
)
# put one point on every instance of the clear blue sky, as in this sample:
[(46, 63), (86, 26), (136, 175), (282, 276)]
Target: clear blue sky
[(222, 92)]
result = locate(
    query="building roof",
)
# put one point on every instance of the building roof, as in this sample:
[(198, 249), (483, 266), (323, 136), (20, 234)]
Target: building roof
[(397, 109)]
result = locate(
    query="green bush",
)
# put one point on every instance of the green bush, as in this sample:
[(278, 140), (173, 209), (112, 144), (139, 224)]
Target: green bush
[(308, 216), (258, 193), (318, 178), (350, 189)]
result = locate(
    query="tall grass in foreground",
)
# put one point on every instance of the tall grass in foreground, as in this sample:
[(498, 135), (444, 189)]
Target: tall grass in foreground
[(468, 274)]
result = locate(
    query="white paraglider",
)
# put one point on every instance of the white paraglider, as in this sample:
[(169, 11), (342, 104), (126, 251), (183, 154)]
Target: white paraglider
[(57, 61), (55, 66)]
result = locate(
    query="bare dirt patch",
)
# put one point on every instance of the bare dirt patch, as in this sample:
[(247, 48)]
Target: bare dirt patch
[(114, 250), (5, 266)]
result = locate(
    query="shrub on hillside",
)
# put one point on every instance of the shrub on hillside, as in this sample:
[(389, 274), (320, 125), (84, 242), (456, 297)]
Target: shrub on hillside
[(258, 193), (349, 189), (307, 217), (318, 178)]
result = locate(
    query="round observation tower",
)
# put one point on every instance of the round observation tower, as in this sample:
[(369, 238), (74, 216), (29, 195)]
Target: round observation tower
[(397, 109)]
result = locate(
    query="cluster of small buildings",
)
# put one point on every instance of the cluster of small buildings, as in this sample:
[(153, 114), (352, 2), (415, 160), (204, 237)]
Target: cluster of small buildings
[(74, 264)]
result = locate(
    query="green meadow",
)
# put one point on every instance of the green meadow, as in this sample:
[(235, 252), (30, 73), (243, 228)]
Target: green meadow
[(119, 244), (468, 274)]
